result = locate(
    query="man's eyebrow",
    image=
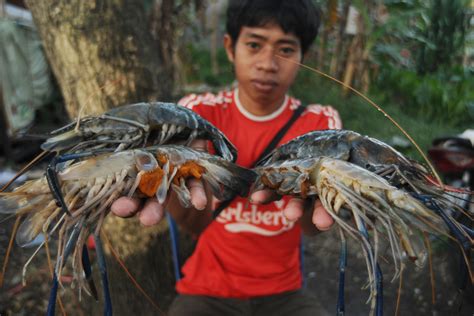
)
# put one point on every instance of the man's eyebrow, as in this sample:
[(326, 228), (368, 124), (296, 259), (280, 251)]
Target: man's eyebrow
[(288, 41), (263, 38), (256, 36)]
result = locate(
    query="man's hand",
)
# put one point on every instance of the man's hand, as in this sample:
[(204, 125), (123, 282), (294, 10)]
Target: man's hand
[(151, 212), (295, 209)]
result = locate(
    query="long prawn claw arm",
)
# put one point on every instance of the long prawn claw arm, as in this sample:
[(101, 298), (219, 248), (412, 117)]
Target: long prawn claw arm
[(103, 275), (54, 186), (340, 307), (86, 265), (67, 251)]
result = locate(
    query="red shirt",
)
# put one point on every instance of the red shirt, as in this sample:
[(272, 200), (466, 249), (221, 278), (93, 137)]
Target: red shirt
[(249, 250)]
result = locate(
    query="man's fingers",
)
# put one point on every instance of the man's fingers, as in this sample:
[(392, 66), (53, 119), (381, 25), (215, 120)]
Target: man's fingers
[(321, 218), (264, 196), (125, 206), (198, 194), (151, 213), (294, 209)]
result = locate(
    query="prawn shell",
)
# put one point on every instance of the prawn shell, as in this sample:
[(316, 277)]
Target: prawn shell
[(346, 145), (100, 166), (148, 121)]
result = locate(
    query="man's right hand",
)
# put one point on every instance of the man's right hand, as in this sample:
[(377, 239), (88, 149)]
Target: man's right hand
[(152, 211), (150, 214)]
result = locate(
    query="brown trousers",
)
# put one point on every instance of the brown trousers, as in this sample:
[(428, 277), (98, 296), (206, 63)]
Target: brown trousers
[(294, 303)]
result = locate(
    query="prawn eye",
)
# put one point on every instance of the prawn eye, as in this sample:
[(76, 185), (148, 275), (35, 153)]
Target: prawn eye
[(145, 161)]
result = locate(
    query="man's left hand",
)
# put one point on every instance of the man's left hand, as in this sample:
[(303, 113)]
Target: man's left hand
[(295, 209)]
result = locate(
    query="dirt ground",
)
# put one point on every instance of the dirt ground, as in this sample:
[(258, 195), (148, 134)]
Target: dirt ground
[(321, 272)]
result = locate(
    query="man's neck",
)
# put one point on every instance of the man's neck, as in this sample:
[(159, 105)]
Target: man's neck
[(259, 108)]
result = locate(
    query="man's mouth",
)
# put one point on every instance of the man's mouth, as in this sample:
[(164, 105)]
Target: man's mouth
[(264, 85)]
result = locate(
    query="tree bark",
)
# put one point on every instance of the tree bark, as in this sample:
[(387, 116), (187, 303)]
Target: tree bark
[(104, 55), (214, 38), (337, 56), (101, 52)]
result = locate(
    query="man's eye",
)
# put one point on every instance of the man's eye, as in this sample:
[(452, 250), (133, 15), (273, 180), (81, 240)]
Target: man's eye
[(253, 45), (287, 50)]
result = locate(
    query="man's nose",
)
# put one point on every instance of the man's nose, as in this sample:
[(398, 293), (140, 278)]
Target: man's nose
[(267, 60)]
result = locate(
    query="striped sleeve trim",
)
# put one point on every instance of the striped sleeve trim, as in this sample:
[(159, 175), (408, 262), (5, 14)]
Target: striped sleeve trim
[(334, 121), (209, 99)]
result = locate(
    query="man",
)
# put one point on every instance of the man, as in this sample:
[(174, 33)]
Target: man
[(247, 261)]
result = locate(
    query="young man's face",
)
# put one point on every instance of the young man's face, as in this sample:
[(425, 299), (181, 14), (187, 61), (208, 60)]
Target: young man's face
[(263, 77)]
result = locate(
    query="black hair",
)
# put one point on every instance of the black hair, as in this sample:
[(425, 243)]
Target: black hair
[(299, 17)]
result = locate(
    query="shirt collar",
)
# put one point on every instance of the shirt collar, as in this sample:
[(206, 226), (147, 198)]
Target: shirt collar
[(258, 118)]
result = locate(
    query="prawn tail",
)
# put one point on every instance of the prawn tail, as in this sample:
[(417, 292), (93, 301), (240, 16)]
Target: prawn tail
[(225, 148), (21, 203), (227, 179)]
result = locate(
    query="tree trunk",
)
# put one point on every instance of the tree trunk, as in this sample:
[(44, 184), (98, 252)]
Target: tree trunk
[(101, 52), (337, 56), (321, 62), (164, 31), (214, 37), (351, 63), (325, 46), (103, 55)]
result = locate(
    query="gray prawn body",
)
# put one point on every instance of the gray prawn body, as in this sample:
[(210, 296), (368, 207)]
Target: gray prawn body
[(379, 189), (364, 151), (139, 125), (91, 185)]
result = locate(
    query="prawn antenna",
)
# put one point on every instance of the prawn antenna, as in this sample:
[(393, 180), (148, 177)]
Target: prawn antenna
[(399, 292), (449, 188), (111, 84), (9, 249), (430, 261), (25, 169), (363, 96), (51, 271), (130, 276)]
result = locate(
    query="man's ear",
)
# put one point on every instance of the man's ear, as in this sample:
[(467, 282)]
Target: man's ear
[(229, 47)]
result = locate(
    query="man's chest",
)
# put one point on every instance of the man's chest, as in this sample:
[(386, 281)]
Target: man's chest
[(251, 140)]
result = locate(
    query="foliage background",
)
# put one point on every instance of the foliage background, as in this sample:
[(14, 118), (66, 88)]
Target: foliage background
[(418, 61)]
